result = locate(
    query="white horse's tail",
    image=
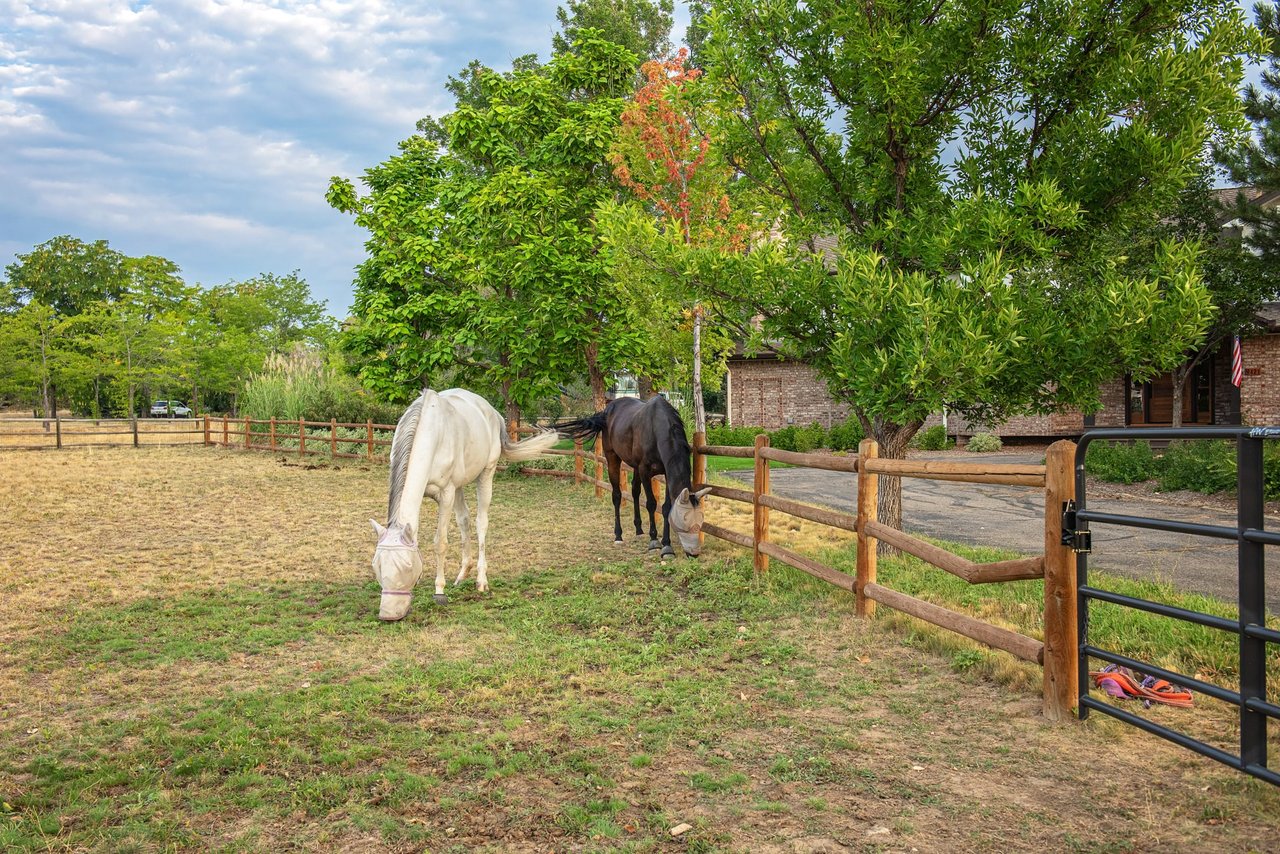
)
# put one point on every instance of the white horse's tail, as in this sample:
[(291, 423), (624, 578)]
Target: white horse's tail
[(528, 449)]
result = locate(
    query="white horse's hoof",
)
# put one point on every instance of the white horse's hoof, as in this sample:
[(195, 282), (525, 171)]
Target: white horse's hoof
[(441, 599), (617, 542)]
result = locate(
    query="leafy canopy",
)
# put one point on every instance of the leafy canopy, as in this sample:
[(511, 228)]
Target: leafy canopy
[(484, 264), (978, 167)]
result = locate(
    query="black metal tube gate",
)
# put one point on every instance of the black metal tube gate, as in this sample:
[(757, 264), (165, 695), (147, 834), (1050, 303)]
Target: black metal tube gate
[(1250, 626)]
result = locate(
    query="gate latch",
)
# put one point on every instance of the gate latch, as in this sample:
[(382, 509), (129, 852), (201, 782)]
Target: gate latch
[(1080, 542)]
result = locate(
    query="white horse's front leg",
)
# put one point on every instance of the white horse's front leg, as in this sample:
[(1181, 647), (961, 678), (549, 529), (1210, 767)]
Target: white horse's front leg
[(484, 492), (442, 539), (464, 536)]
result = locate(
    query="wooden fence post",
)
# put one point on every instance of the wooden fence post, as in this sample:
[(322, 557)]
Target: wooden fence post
[(369, 426), (247, 433), (1061, 644), (226, 436), (302, 437), (57, 435), (134, 423), (599, 457), (333, 438), (577, 461), (868, 487), (760, 534), (206, 428)]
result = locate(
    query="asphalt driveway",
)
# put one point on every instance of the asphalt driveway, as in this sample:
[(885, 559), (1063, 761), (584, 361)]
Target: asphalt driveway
[(1013, 518)]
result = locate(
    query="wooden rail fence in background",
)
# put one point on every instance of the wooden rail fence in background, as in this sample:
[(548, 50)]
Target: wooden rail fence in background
[(357, 441), (1056, 654), (49, 434)]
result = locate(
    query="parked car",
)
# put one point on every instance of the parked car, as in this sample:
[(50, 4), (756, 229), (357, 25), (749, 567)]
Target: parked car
[(170, 409)]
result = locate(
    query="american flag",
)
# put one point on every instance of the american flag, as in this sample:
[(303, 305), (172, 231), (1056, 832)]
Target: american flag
[(1237, 363)]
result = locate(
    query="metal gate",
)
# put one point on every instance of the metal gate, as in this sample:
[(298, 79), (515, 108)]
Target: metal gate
[(1251, 538)]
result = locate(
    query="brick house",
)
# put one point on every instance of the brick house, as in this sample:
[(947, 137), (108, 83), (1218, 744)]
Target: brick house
[(769, 392)]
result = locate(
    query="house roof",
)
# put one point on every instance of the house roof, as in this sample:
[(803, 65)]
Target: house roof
[(1268, 316), (1228, 198)]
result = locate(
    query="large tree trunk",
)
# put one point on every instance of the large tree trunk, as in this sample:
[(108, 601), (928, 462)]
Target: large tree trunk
[(893, 440), (596, 376), (1179, 379)]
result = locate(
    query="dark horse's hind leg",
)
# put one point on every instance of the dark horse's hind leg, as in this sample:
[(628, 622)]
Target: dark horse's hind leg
[(615, 479), (636, 484)]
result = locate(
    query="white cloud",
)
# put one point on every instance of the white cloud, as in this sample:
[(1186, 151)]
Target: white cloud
[(211, 127)]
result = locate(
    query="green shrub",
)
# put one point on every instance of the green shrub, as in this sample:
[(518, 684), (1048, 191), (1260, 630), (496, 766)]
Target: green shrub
[(810, 438), (1122, 463), (739, 437), (846, 436), (1202, 465), (984, 443), (785, 439), (1271, 470), (932, 439)]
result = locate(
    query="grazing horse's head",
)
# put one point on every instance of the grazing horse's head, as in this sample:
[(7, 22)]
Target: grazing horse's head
[(397, 565), (686, 518)]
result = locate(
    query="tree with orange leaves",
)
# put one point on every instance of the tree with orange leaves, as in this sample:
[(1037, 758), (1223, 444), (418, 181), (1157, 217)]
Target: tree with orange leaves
[(662, 157)]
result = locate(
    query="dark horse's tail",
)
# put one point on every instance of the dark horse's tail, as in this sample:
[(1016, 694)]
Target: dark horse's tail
[(583, 428)]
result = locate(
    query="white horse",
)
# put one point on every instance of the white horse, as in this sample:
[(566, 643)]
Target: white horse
[(443, 442)]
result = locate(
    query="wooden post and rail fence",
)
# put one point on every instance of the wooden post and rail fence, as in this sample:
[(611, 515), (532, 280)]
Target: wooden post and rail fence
[(1056, 653)]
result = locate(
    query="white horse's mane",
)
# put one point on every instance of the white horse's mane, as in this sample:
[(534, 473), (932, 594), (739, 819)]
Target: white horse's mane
[(401, 445)]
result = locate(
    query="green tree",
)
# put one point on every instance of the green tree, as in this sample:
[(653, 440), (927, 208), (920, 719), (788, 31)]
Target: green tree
[(641, 26), (1256, 160), (66, 274), (484, 263), (980, 165), (32, 352)]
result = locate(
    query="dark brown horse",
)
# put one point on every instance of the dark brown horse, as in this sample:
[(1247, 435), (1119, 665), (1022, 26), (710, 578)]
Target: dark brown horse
[(649, 437)]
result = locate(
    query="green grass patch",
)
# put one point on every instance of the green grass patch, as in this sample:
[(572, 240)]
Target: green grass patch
[(575, 657)]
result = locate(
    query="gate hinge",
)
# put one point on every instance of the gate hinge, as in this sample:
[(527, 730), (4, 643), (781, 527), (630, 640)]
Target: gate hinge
[(1080, 542)]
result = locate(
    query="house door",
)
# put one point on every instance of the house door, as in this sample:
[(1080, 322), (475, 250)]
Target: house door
[(1151, 403)]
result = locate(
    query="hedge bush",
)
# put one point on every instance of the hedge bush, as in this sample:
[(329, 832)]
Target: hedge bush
[(846, 436), (984, 443), (1201, 465), (1122, 463), (931, 439)]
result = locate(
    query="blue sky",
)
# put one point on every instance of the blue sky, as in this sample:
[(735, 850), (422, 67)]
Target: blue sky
[(206, 131)]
